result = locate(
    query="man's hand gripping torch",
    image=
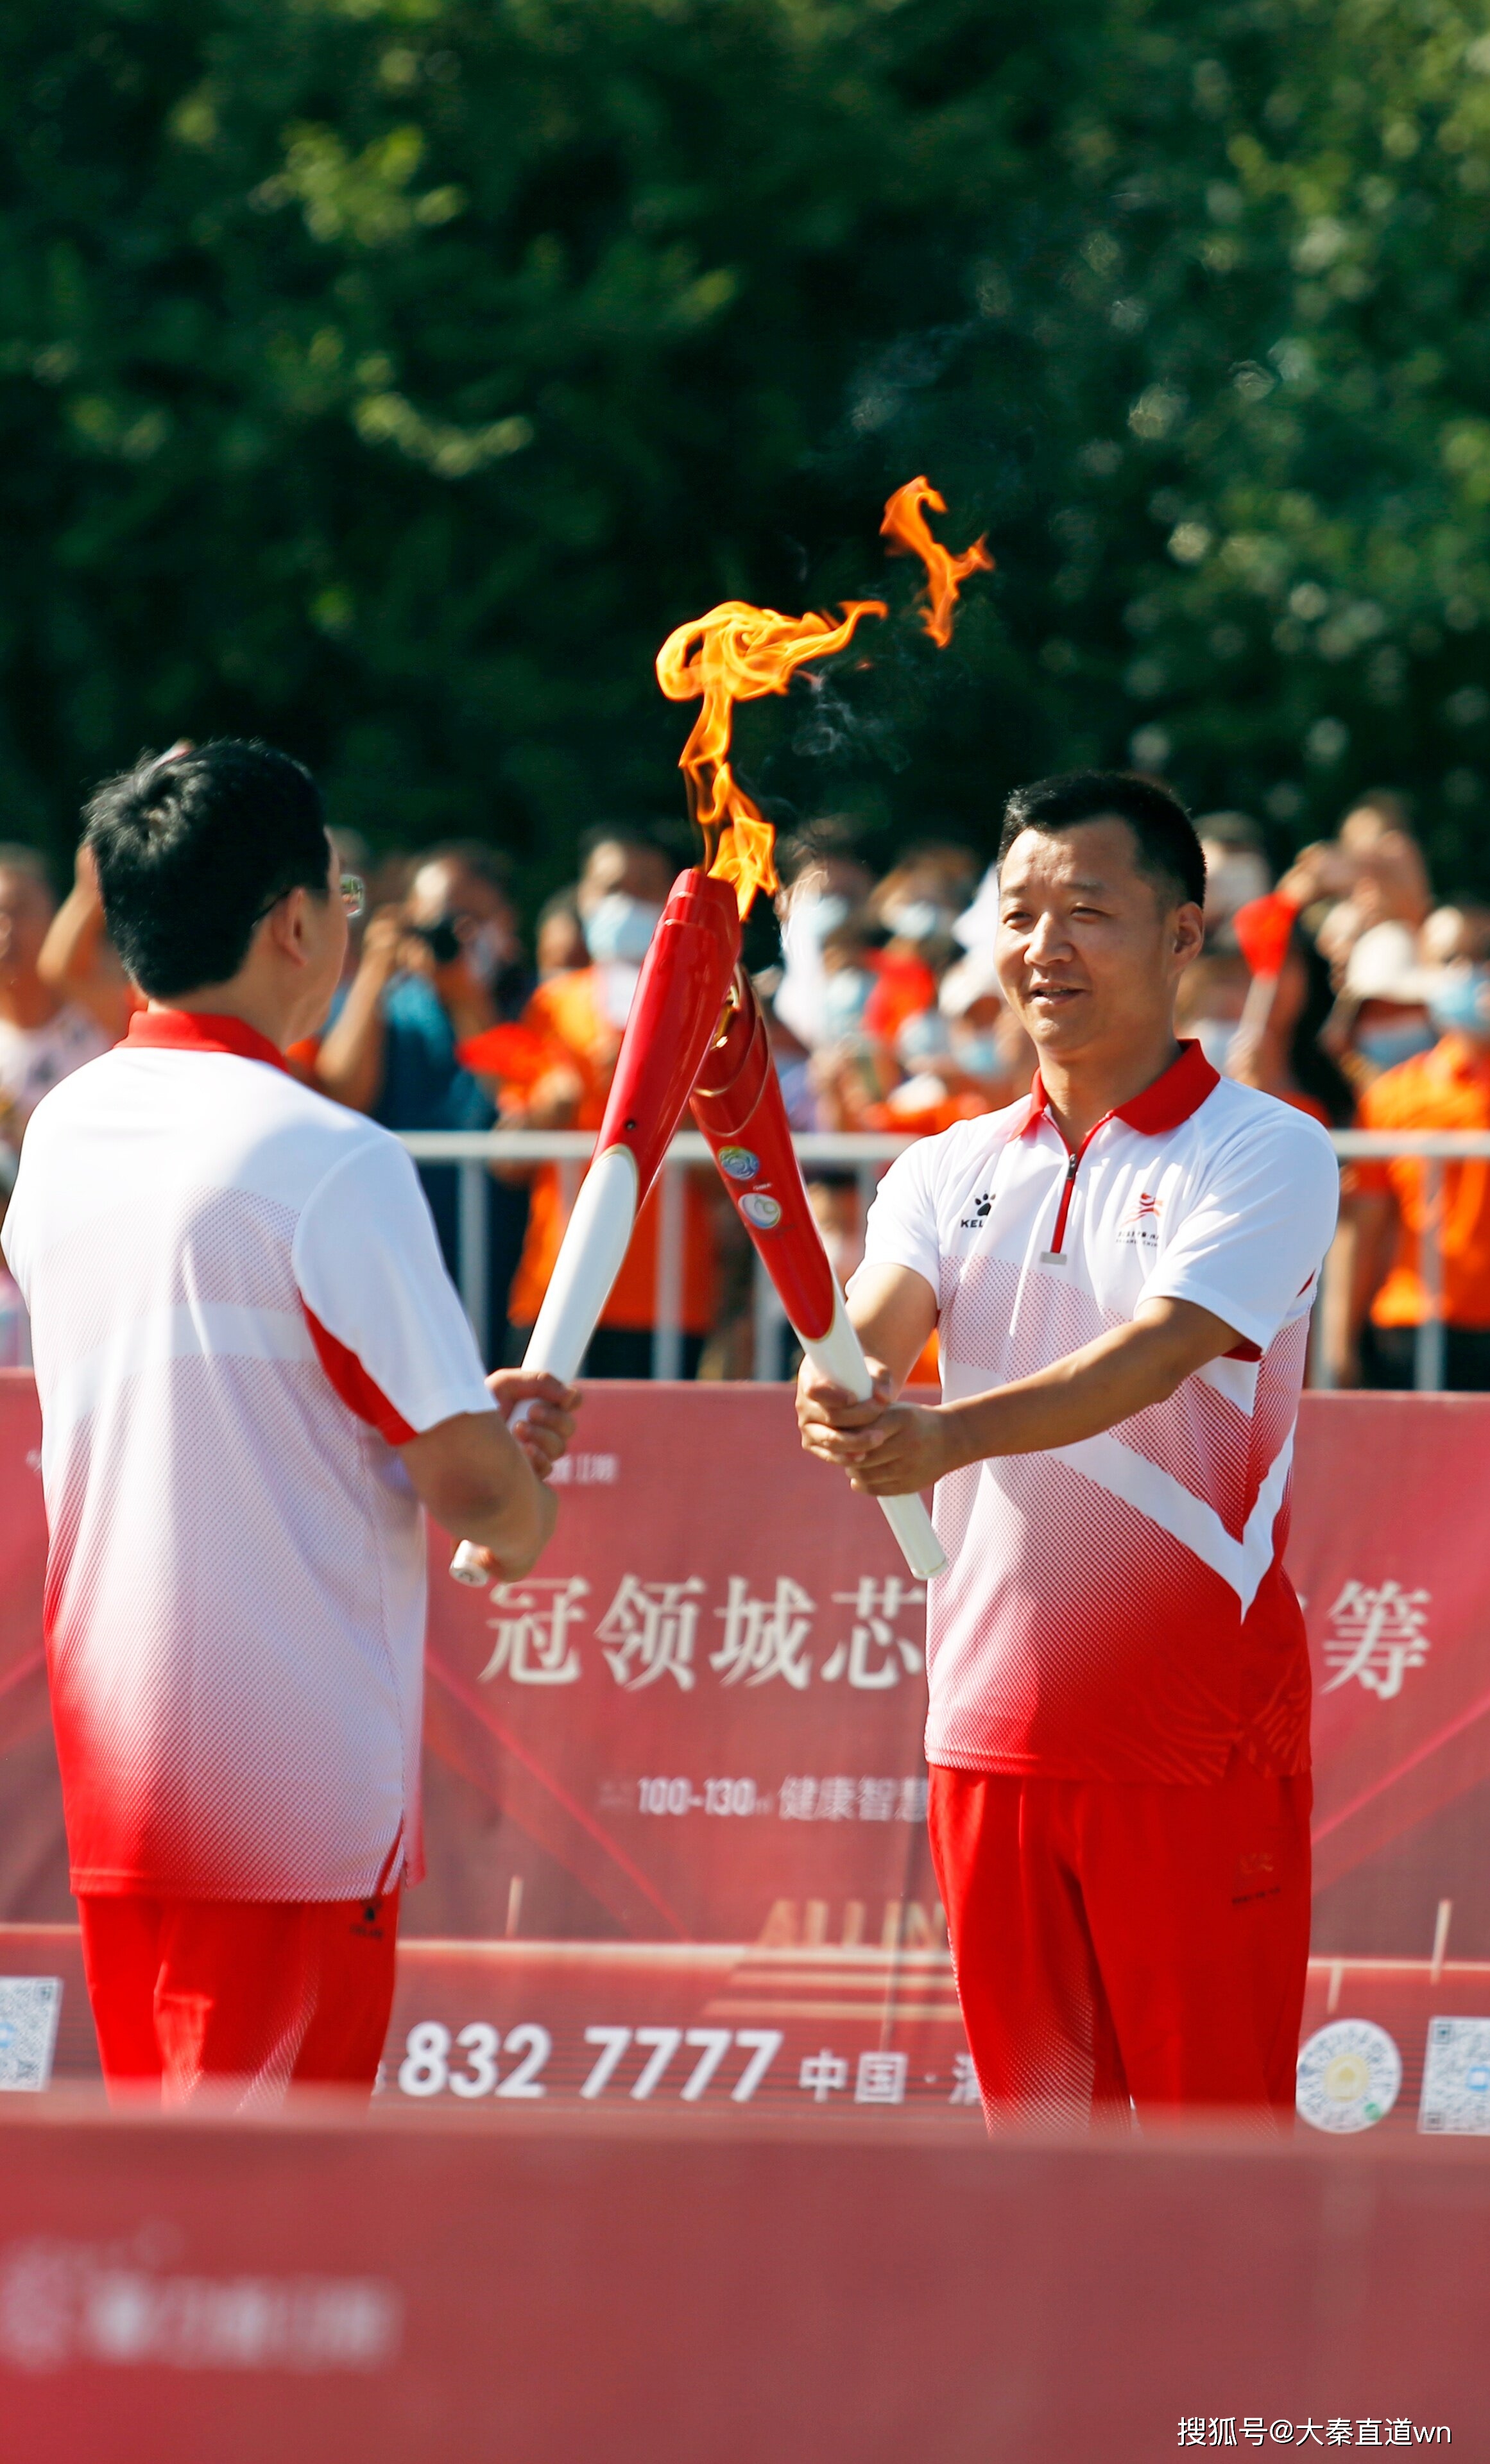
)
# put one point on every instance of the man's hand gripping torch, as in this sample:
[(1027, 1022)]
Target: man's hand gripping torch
[(737, 1104)]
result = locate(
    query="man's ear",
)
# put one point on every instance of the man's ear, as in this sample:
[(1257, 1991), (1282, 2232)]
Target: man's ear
[(1188, 932), (285, 922)]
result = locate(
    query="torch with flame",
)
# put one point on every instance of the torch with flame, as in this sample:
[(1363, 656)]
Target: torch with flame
[(696, 1034)]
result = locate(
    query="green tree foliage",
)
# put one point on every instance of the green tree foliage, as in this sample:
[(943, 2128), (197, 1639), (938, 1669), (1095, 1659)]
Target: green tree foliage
[(389, 376)]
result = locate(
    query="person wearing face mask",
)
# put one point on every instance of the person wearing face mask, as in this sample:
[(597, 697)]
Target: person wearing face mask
[(1382, 1016), (1236, 869), (916, 904), (575, 1019), (1446, 1088), (823, 883)]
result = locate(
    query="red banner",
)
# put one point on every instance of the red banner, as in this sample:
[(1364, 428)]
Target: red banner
[(699, 1723)]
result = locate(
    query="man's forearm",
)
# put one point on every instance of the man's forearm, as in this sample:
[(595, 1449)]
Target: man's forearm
[(517, 1531), (349, 1065), (1089, 1391)]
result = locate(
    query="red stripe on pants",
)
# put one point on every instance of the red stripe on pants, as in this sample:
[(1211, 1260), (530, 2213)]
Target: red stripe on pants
[(254, 1993), (1116, 1940)]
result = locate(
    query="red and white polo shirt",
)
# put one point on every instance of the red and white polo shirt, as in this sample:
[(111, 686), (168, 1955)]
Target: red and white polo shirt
[(238, 1310), (1118, 1609)]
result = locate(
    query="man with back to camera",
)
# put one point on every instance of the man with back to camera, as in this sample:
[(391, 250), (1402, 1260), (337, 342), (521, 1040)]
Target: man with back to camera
[(1120, 1265), (253, 1371)]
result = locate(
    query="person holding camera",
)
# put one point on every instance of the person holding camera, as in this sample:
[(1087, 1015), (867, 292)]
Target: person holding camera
[(441, 966)]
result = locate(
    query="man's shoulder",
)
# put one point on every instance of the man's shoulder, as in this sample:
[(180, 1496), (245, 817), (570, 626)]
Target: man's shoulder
[(946, 1155), (1245, 1119), (942, 1173), (231, 1112)]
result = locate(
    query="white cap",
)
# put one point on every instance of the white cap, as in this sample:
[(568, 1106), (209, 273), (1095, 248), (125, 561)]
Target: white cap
[(1384, 965), (977, 924), (972, 979)]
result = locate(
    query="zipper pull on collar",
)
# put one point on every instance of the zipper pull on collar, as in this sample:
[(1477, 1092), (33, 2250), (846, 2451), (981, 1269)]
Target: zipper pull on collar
[(1055, 1255)]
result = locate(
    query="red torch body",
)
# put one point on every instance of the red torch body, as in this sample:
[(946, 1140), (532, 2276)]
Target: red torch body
[(737, 1104), (675, 1018)]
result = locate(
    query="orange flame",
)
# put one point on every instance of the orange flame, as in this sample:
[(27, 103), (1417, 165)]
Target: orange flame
[(738, 653), (906, 524)]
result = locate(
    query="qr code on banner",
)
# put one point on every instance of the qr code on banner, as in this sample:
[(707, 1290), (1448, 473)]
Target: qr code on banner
[(1457, 2075), (29, 2008)]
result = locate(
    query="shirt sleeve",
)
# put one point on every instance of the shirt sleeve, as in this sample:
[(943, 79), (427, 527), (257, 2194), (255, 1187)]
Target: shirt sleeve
[(901, 1226), (386, 1318), (1250, 1246)]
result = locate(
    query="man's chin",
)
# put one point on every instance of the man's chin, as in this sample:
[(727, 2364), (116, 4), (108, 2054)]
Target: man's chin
[(1061, 1033)]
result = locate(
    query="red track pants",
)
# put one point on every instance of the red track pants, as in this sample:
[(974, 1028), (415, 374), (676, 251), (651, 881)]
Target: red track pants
[(246, 1995), (1116, 1940)]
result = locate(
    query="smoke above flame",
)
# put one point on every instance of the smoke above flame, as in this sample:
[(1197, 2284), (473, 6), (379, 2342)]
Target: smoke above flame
[(738, 652), (905, 526)]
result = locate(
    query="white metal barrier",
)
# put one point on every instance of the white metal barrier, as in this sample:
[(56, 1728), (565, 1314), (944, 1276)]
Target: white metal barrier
[(865, 1155)]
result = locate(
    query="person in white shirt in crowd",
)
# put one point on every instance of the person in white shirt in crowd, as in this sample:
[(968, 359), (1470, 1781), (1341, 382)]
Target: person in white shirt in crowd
[(1120, 1269), (253, 1372)]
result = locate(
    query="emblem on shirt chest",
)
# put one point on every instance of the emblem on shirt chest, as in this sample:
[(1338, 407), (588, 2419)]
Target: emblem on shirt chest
[(1140, 1224), (978, 1213)]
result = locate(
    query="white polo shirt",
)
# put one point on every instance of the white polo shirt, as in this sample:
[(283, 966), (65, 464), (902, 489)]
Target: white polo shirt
[(1117, 1609), (238, 1310)]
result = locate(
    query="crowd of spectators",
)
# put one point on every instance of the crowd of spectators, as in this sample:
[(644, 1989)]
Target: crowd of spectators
[(1340, 986)]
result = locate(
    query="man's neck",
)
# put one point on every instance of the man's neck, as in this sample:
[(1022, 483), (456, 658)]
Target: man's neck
[(1084, 1088), (25, 1002), (236, 1001)]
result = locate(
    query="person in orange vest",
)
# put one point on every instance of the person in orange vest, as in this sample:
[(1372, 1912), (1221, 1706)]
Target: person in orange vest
[(1447, 1087), (555, 1074)]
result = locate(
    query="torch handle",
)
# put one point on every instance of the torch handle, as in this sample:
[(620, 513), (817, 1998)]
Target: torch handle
[(589, 1261), (840, 1355)]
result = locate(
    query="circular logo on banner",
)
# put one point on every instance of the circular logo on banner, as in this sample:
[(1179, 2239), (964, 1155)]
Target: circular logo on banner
[(1348, 2076), (739, 1163), (764, 1212)]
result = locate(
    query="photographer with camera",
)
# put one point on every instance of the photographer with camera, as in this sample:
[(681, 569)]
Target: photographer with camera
[(442, 965)]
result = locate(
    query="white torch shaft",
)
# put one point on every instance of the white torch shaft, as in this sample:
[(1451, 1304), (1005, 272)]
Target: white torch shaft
[(839, 1354), (595, 1243)]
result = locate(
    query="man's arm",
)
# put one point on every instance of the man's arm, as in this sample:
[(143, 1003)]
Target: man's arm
[(473, 1477), (890, 1450)]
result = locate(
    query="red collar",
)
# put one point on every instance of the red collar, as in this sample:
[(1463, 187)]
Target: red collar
[(1178, 1091), (197, 1030)]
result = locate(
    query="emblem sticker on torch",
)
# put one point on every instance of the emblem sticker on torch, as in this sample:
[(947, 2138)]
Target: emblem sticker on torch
[(695, 1036)]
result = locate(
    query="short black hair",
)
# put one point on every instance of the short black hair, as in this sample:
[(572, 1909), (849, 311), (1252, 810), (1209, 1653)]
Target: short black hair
[(193, 848), (1168, 854)]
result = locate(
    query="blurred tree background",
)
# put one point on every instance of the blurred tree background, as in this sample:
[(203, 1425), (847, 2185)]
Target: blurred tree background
[(389, 376)]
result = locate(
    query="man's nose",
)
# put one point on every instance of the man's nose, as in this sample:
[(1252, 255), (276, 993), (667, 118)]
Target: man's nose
[(1049, 940)]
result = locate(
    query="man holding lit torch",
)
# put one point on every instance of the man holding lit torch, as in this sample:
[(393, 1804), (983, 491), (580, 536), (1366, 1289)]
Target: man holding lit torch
[(253, 1371), (1121, 1266)]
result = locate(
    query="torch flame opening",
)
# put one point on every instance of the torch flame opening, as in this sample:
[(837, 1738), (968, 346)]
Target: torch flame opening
[(905, 525), (738, 652)]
